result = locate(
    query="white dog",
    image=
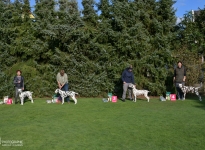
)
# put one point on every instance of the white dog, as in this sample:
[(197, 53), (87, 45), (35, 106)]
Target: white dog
[(137, 92), (190, 89), (64, 94), (24, 94)]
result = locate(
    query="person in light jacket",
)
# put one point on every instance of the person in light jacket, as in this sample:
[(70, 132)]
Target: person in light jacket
[(62, 80)]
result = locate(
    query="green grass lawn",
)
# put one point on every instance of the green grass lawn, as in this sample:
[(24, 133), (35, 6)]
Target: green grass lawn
[(94, 125)]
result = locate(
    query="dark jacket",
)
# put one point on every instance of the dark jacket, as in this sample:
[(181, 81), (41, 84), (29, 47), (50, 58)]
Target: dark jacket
[(127, 76), (19, 85), (179, 74)]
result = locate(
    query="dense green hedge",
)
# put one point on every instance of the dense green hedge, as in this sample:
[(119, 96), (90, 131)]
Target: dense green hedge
[(93, 47)]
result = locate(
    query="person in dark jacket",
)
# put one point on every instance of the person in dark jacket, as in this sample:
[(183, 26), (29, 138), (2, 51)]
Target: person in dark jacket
[(127, 78), (19, 84), (179, 78)]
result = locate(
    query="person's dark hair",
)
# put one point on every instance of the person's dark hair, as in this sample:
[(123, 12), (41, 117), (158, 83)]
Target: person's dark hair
[(130, 67), (18, 71), (62, 72), (179, 62)]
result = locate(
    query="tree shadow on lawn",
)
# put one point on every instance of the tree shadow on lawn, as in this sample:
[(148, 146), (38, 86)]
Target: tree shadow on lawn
[(200, 104), (142, 98), (70, 101), (27, 100)]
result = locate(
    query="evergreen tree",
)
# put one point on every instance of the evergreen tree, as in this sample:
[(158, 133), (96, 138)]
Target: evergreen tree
[(189, 45), (161, 32), (105, 9), (200, 37), (89, 14), (95, 48), (141, 37), (8, 21), (90, 51)]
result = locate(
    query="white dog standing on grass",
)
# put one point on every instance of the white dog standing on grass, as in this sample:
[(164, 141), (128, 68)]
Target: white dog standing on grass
[(137, 92), (22, 95), (64, 94), (190, 89)]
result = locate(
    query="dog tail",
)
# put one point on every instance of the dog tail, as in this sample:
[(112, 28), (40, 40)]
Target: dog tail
[(201, 85)]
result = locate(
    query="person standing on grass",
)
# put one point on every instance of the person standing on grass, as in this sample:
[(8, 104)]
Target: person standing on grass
[(127, 78), (62, 80), (18, 83), (179, 78)]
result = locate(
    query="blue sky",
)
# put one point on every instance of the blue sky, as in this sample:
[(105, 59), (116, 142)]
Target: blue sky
[(182, 6)]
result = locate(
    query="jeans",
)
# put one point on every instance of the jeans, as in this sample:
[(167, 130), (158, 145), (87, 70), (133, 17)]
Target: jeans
[(180, 94), (17, 94), (125, 88), (65, 88)]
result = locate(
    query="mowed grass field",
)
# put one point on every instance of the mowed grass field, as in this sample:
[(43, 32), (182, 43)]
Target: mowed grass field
[(92, 124)]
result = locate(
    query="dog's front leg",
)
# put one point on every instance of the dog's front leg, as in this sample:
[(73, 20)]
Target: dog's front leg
[(199, 97), (31, 99), (184, 96), (135, 98), (147, 97), (21, 101), (62, 100)]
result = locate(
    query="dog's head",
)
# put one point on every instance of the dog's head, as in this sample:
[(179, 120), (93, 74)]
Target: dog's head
[(20, 90), (180, 85), (131, 86), (57, 90)]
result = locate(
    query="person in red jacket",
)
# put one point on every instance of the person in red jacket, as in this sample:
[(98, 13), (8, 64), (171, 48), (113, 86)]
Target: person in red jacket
[(127, 78)]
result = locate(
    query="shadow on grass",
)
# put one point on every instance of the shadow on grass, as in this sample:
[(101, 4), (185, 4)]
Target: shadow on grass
[(200, 104), (27, 100), (141, 99)]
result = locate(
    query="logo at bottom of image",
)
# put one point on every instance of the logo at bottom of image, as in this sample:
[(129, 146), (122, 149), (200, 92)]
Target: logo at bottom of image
[(11, 142)]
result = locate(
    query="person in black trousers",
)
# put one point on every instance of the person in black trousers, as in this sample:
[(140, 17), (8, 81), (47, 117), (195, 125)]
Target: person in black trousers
[(179, 78)]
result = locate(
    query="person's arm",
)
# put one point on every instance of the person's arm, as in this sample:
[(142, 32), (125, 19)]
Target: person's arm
[(133, 79), (15, 80), (123, 76), (22, 80), (174, 75), (184, 75), (57, 78)]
